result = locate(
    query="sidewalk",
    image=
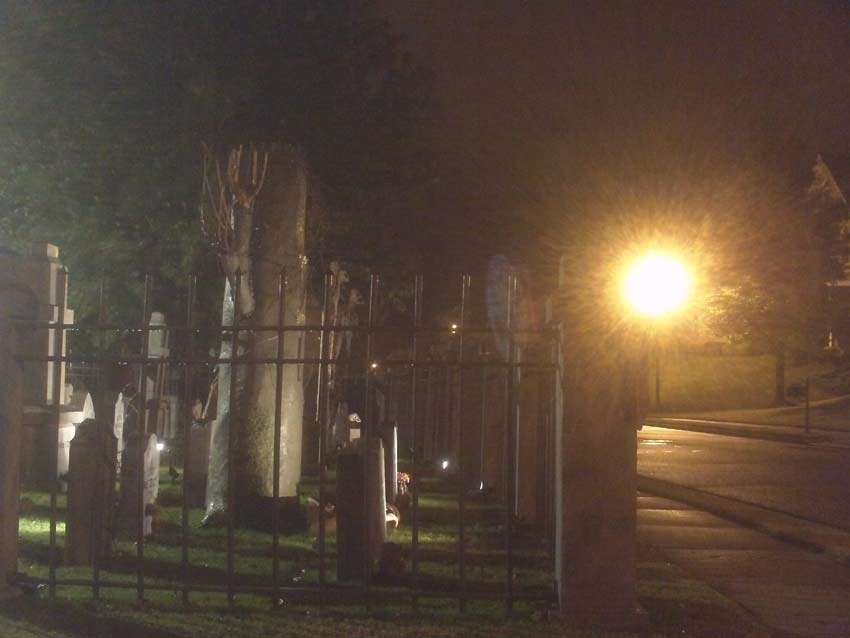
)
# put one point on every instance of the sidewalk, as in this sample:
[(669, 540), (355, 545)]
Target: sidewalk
[(831, 541), (788, 591)]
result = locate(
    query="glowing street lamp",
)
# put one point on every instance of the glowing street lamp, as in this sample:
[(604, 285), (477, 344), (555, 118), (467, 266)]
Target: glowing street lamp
[(657, 285)]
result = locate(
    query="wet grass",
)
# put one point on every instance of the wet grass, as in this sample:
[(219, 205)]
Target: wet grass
[(676, 605), (298, 552)]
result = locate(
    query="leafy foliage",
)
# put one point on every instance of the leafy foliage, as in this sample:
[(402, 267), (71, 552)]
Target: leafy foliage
[(774, 289), (106, 106)]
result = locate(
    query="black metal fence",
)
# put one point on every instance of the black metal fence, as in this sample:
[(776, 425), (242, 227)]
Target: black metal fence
[(459, 390)]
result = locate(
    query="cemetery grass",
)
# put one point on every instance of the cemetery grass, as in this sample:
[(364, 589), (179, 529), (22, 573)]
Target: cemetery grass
[(674, 603), (298, 553)]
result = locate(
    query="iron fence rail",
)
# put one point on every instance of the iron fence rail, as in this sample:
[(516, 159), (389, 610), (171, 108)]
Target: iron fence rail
[(510, 367)]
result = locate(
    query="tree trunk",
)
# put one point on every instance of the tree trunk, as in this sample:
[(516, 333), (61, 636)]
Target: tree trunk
[(278, 244)]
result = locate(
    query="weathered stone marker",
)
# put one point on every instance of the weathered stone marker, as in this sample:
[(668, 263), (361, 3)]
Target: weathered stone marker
[(151, 480), (79, 408), (198, 456), (351, 519), (90, 485), (127, 518), (39, 282), (118, 430), (390, 438)]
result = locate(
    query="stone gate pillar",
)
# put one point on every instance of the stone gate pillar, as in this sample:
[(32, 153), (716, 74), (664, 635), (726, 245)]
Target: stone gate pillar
[(603, 396), (11, 410)]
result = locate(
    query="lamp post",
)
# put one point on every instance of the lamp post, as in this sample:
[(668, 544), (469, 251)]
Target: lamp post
[(655, 287)]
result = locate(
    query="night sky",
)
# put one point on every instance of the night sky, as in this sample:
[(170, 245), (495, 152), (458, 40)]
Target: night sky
[(544, 103)]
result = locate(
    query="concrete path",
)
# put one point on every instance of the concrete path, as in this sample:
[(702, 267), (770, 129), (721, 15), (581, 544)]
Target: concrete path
[(792, 591)]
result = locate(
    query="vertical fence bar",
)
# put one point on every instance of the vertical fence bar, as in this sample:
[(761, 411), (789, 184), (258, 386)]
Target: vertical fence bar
[(461, 465), (365, 434), (231, 427), (414, 455), (551, 460), (389, 396), (509, 450), (58, 351), (187, 435), (99, 519), (429, 412), (483, 433), (657, 378), (278, 422), (321, 420), (142, 430)]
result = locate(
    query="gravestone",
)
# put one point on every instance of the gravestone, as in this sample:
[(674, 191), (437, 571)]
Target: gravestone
[(390, 439), (158, 337), (158, 417), (151, 481), (195, 469), (118, 430), (351, 522), (127, 518), (79, 408), (90, 485), (41, 280)]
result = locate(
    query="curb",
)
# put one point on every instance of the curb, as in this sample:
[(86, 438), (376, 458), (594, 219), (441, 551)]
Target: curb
[(808, 535), (729, 428)]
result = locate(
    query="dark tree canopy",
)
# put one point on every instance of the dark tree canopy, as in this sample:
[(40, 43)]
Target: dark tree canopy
[(106, 106)]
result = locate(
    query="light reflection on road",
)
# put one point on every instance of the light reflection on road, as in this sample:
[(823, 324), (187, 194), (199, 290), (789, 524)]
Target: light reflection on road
[(664, 442), (805, 480)]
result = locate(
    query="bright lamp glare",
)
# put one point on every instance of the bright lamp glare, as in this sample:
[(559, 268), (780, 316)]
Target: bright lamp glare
[(657, 285)]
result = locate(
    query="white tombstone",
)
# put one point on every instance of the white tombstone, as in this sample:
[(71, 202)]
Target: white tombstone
[(391, 462), (118, 427), (151, 481), (79, 409)]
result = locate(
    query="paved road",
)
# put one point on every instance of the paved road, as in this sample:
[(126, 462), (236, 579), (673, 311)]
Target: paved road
[(808, 480), (791, 591)]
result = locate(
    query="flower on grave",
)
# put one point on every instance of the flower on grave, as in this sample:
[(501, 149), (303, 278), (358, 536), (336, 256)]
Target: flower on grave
[(403, 480)]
